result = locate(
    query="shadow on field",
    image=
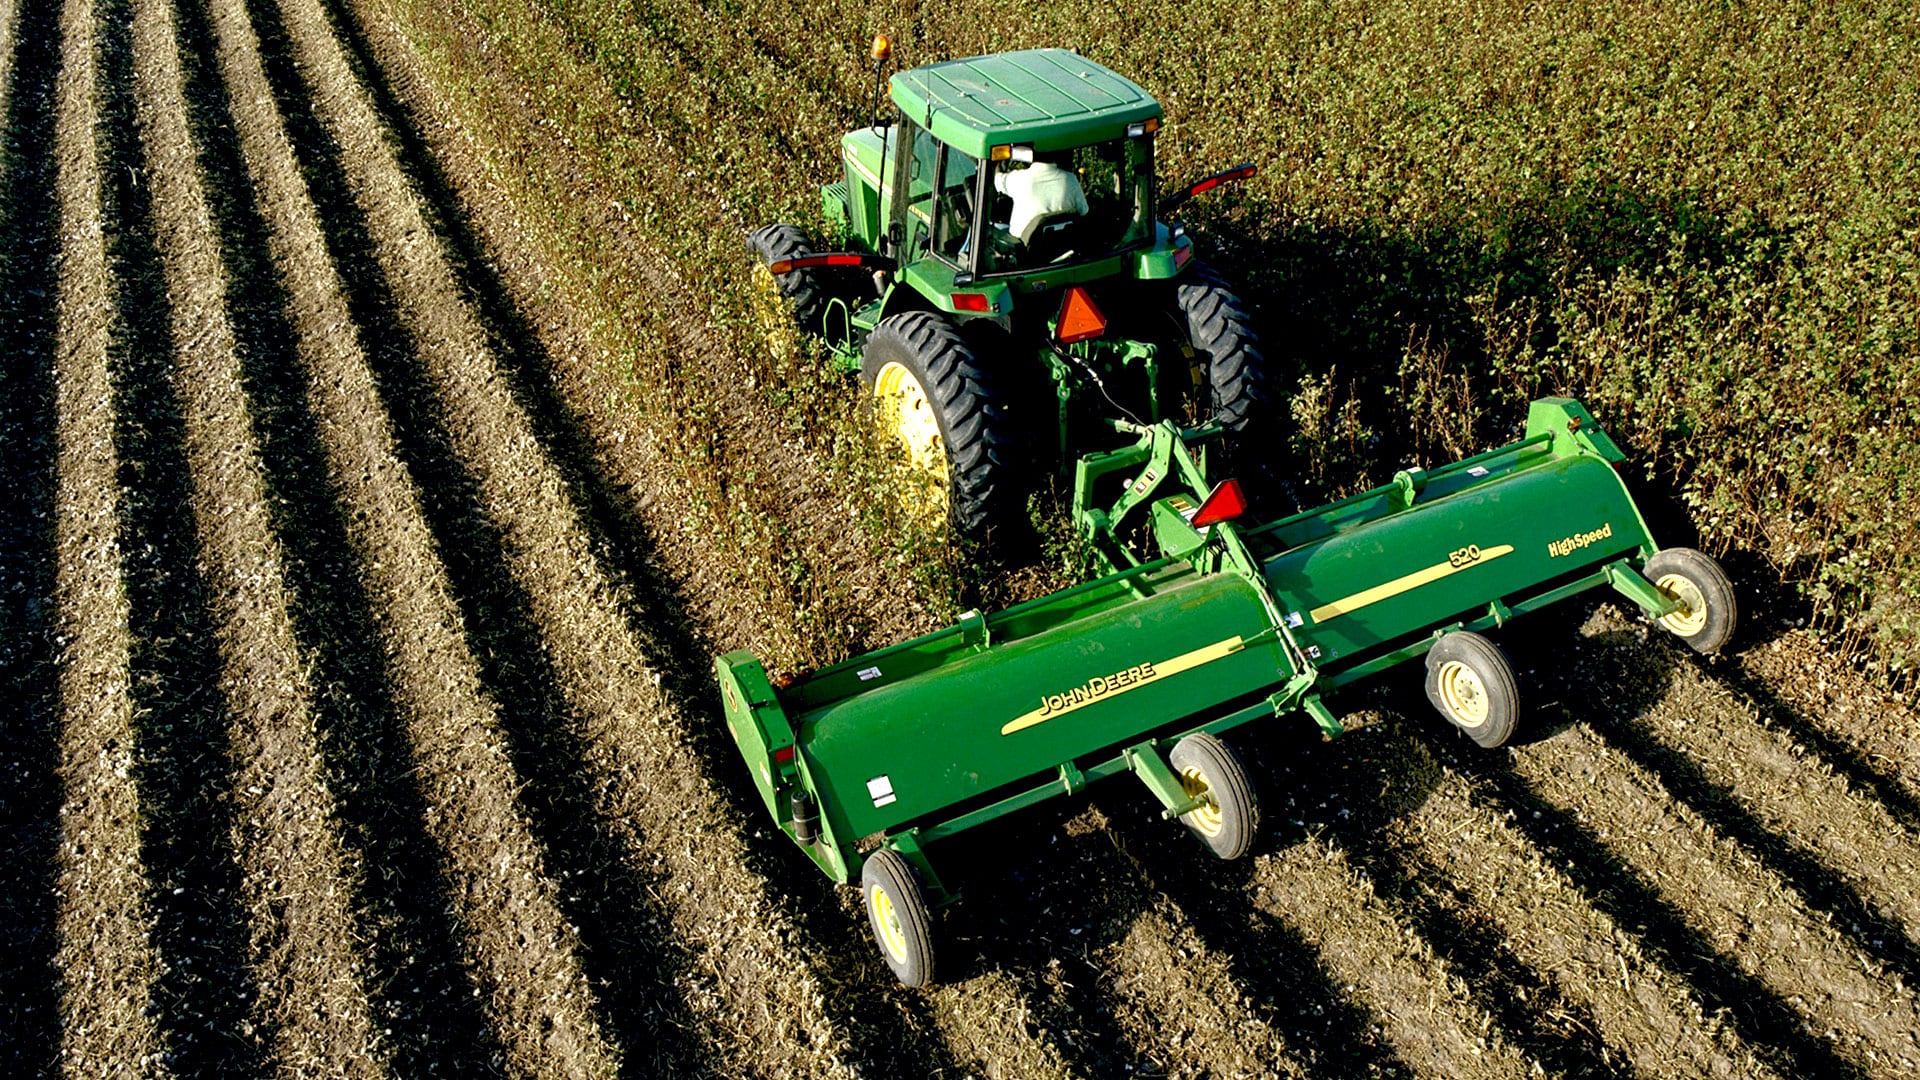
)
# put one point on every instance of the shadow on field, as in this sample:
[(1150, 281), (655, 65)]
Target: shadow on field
[(181, 721), (1359, 299), (1609, 657), (30, 791), (422, 998), (1351, 791), (886, 1026), (632, 968), (1760, 1017)]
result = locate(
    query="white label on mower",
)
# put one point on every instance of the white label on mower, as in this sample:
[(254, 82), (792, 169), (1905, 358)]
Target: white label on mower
[(881, 788), (1294, 621), (869, 673), (1477, 471)]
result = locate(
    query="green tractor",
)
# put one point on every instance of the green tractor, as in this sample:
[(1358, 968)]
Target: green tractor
[(1204, 619), (1011, 288)]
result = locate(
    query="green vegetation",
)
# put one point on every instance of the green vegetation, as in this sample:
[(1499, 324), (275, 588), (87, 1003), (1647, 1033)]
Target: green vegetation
[(1703, 219)]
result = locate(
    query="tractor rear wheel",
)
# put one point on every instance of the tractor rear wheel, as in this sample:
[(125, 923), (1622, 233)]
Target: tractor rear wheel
[(898, 914), (1708, 611), (1226, 348), (1209, 770), (938, 407), (1470, 681), (804, 294)]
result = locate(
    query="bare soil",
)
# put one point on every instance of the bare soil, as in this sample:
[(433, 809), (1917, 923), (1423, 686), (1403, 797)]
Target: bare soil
[(359, 630)]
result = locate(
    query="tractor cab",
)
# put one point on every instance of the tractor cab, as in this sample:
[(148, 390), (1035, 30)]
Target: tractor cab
[(1006, 286), (999, 168)]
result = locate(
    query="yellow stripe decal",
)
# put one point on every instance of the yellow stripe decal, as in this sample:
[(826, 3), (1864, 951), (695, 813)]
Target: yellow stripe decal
[(1107, 687), (1348, 605)]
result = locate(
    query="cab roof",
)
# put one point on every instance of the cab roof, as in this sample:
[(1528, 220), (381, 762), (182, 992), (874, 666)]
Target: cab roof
[(1051, 99)]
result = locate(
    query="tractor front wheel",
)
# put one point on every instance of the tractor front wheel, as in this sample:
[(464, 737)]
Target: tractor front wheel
[(938, 408), (1470, 681), (898, 913), (1707, 612), (1210, 771)]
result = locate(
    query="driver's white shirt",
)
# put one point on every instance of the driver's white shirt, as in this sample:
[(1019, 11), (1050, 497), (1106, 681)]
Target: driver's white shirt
[(1038, 190)]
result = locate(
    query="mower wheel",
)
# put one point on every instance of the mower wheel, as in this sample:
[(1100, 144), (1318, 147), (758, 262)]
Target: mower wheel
[(1209, 769), (1707, 609), (806, 292), (1470, 681), (937, 404), (1222, 334), (898, 913)]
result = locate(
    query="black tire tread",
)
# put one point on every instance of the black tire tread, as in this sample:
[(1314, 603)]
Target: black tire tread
[(1723, 610), (1496, 673), (806, 291), (1232, 789), (979, 457), (1221, 331), (891, 871)]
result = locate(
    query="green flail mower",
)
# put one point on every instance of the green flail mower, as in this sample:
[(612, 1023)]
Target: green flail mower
[(1219, 620)]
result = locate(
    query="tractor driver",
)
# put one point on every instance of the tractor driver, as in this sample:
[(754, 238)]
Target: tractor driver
[(1041, 191)]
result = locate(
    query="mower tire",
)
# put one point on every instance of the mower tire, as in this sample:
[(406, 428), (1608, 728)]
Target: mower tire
[(1209, 769), (897, 912), (1708, 611), (1471, 682)]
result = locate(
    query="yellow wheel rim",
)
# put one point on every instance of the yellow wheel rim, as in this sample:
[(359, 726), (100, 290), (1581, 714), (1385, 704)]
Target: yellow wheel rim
[(1463, 694), (1692, 616), (907, 418), (1207, 820), (892, 937), (772, 319)]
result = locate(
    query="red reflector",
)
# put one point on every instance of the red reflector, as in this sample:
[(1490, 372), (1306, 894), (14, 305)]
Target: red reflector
[(971, 301), (804, 262), (783, 755), (1224, 503), (1182, 255), (1079, 319)]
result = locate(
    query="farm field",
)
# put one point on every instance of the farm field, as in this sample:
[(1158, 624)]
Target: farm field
[(390, 442)]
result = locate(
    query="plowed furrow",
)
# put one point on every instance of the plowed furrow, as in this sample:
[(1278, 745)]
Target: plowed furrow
[(1801, 993), (182, 715), (1854, 727), (1424, 1009), (1183, 1004), (1556, 961), (1839, 846), (105, 956), (520, 949), (296, 880), (30, 749), (429, 1021)]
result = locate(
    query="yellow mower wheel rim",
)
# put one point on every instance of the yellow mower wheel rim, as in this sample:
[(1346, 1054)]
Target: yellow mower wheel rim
[(1692, 616), (1464, 694), (907, 417), (892, 937), (1207, 820)]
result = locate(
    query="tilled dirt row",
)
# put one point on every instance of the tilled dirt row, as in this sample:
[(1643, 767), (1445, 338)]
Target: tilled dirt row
[(106, 958)]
